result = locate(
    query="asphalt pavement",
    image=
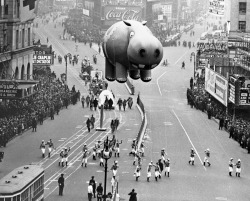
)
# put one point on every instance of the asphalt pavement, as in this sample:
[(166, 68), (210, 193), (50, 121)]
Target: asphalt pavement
[(172, 125)]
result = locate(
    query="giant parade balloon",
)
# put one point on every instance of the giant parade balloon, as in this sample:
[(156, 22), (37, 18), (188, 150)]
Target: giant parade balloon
[(130, 48)]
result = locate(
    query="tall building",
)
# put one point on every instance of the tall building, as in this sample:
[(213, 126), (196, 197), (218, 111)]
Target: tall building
[(239, 35), (16, 42)]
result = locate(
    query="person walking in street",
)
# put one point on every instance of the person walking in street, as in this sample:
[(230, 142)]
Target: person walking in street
[(95, 102), (50, 147), (149, 171), (231, 167), (183, 65), (85, 155), (238, 168), (42, 147), (61, 184), (99, 191), (124, 104), (133, 195), (92, 182), (207, 156), (167, 166), (92, 120), (90, 192), (192, 154), (221, 123), (88, 123), (87, 100), (114, 168), (83, 101), (157, 171), (119, 102), (137, 172), (34, 124), (110, 103)]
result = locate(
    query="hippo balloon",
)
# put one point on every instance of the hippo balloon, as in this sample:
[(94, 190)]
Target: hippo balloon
[(130, 47)]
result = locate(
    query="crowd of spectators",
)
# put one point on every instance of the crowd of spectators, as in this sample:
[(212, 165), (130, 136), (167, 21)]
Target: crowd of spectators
[(48, 98), (236, 124)]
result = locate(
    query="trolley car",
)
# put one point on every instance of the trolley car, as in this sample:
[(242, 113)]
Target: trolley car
[(23, 184)]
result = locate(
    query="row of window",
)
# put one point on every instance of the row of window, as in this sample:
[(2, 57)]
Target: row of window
[(20, 37)]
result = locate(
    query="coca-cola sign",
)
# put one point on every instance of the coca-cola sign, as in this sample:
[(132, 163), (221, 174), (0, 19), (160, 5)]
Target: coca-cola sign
[(113, 14)]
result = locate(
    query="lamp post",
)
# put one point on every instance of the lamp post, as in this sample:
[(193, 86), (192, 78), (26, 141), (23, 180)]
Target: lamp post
[(193, 54), (66, 65), (106, 155)]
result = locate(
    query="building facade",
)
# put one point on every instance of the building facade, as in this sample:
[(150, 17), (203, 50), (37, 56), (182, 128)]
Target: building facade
[(16, 24)]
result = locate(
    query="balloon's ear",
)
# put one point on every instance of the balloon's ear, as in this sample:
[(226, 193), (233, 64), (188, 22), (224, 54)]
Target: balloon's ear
[(144, 23), (127, 23)]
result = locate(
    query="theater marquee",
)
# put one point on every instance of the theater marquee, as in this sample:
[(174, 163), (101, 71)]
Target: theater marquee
[(42, 59)]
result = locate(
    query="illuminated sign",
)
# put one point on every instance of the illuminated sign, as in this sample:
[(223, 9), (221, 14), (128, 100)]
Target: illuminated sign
[(210, 47), (216, 85), (217, 7), (112, 14), (42, 59)]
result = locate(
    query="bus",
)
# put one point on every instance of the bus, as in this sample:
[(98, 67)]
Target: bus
[(25, 183)]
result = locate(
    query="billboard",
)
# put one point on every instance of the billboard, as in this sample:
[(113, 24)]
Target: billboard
[(9, 90), (217, 7), (112, 14), (216, 85)]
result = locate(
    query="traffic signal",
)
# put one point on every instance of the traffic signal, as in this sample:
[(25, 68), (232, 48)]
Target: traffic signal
[(1, 155)]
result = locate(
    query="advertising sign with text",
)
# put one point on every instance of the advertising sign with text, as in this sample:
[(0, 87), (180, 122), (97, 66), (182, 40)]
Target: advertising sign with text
[(42, 59), (217, 7), (113, 14), (216, 85)]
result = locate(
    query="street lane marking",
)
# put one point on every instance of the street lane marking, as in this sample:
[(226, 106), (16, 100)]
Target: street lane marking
[(157, 82), (79, 126), (220, 198), (127, 129), (189, 140), (60, 140), (167, 123)]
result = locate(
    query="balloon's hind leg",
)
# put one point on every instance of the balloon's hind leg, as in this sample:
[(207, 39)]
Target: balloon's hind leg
[(145, 75), (110, 72), (121, 73)]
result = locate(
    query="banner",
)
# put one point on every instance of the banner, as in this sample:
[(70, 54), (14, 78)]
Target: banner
[(96, 74), (216, 85), (217, 7), (113, 14), (27, 10)]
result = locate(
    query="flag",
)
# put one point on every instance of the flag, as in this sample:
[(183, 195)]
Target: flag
[(27, 10)]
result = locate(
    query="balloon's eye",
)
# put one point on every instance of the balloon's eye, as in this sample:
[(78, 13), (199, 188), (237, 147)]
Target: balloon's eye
[(132, 34)]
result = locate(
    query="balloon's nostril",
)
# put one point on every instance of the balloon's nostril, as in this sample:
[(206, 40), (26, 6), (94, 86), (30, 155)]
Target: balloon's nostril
[(157, 53), (142, 52)]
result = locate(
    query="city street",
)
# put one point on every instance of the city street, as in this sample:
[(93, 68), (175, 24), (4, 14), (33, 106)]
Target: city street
[(172, 124)]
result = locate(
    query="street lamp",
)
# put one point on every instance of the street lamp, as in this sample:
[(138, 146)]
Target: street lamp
[(66, 63), (193, 54), (106, 154)]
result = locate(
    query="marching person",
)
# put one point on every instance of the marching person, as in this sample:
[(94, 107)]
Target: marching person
[(133, 146), (90, 192), (101, 159), (117, 148), (83, 101), (161, 166), (238, 168), (163, 154), (124, 103), (85, 155), (137, 172), (119, 102), (132, 195), (142, 149), (231, 167), (207, 155), (50, 147), (149, 171), (42, 147), (192, 154), (167, 166), (157, 171), (114, 168), (61, 157), (65, 156), (61, 184), (94, 153)]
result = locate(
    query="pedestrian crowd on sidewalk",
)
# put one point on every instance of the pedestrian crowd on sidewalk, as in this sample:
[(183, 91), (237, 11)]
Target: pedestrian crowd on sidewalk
[(49, 97), (238, 127)]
